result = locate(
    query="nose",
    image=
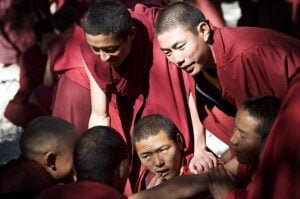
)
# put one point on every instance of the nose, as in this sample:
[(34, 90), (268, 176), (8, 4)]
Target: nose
[(235, 138), (158, 161), (179, 59), (104, 56)]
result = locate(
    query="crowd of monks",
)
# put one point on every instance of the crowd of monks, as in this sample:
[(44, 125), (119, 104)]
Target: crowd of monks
[(161, 74)]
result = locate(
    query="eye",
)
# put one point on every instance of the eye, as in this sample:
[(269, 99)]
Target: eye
[(164, 149), (111, 49), (95, 49), (243, 136), (145, 157), (167, 53), (181, 47)]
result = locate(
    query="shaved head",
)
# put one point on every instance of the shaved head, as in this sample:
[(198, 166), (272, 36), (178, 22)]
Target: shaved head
[(177, 14), (45, 134)]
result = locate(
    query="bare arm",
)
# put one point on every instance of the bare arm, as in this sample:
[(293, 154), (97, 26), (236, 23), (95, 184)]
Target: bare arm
[(177, 187), (202, 160), (99, 114), (48, 77)]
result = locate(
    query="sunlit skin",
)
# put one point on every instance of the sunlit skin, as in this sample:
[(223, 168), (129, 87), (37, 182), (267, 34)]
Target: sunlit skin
[(160, 155), (187, 50), (110, 49), (246, 142), (64, 164)]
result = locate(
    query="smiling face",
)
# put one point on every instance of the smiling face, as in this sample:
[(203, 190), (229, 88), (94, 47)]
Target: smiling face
[(160, 155), (110, 49), (246, 142), (187, 50)]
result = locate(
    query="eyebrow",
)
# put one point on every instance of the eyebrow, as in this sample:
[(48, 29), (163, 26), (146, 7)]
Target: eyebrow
[(97, 49)]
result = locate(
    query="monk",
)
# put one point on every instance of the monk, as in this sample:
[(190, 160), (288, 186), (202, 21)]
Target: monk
[(159, 145), (239, 62), (46, 158), (101, 161), (101, 164), (128, 80), (278, 174), (253, 124)]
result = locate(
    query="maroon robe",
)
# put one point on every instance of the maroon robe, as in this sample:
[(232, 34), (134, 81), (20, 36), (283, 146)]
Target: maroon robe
[(211, 10), (144, 79), (81, 189), (251, 62), (278, 175), (144, 84), (24, 177), (72, 98)]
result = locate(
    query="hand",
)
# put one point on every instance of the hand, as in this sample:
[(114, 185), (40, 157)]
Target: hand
[(156, 180), (221, 182), (202, 162)]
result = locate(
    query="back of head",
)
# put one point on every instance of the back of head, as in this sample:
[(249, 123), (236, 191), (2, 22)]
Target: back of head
[(265, 109), (107, 17), (152, 125), (98, 154), (65, 18), (45, 134), (181, 14)]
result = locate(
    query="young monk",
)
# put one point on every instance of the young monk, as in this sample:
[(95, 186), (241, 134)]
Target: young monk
[(278, 173), (128, 80), (253, 124), (159, 145), (105, 148), (101, 161), (101, 164), (46, 158), (245, 62)]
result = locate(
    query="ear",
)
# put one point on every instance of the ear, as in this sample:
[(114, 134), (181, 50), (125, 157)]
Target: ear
[(180, 142), (204, 30), (50, 161)]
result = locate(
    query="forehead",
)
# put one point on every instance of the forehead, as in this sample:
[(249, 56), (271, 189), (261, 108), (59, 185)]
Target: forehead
[(246, 122), (173, 35), (102, 40), (153, 142)]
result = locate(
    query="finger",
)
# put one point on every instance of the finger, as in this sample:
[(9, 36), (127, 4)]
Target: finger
[(214, 160), (192, 168)]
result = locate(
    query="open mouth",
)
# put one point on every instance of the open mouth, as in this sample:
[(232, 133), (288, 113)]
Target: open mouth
[(189, 68)]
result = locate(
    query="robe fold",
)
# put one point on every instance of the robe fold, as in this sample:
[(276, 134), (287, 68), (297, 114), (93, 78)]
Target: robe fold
[(81, 189)]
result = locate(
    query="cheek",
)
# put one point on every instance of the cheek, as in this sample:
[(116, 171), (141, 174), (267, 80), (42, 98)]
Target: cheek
[(148, 163), (172, 158)]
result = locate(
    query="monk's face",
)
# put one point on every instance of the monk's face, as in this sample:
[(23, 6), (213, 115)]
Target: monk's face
[(187, 50), (109, 48), (246, 142), (160, 155)]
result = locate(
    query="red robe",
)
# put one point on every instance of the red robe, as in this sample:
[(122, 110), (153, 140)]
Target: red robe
[(81, 189), (24, 177), (146, 84), (211, 10), (278, 175), (145, 79), (72, 98), (252, 62)]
